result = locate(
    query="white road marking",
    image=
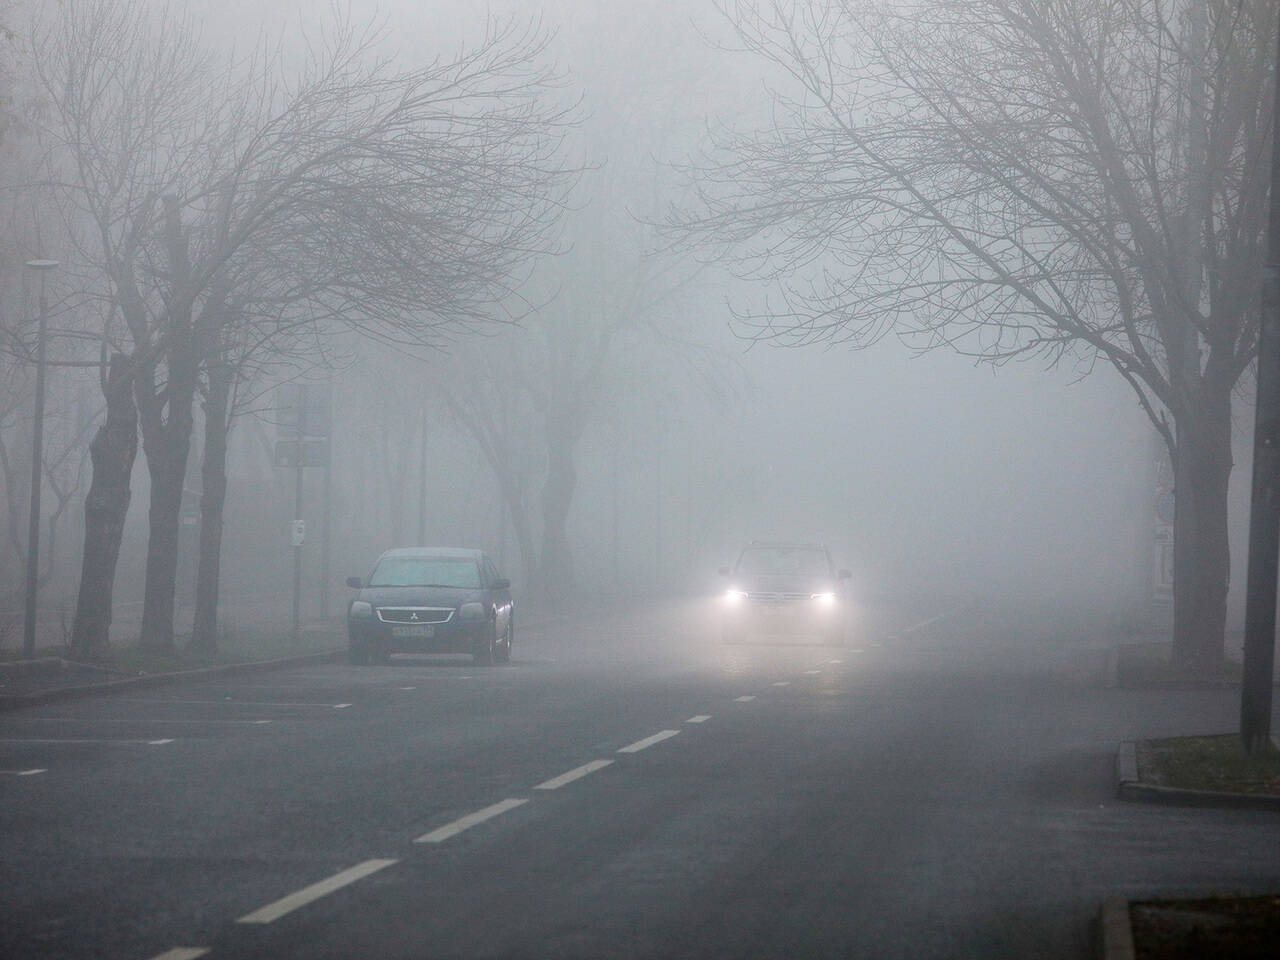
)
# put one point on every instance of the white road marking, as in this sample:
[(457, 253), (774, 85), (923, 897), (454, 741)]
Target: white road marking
[(812, 673), (855, 650), (24, 773), (470, 820), (555, 783), (744, 699), (649, 741), (700, 718), (182, 953), (836, 663), (274, 911), (406, 688), (341, 706), (148, 721), (228, 702), (78, 740), (158, 743), (782, 683)]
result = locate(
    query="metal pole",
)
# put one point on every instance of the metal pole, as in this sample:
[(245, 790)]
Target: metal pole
[(422, 479), (1264, 515), (297, 511), (326, 539), (37, 466)]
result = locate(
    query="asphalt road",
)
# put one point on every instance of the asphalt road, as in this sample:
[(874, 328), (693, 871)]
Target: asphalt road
[(628, 787)]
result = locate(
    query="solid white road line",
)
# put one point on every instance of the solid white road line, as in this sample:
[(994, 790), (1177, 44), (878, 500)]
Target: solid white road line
[(148, 721), (228, 702), (700, 718), (649, 741), (80, 740), (274, 911), (183, 953), (747, 698), (555, 783), (24, 773), (470, 820)]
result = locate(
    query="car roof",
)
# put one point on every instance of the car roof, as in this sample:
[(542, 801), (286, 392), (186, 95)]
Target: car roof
[(458, 553)]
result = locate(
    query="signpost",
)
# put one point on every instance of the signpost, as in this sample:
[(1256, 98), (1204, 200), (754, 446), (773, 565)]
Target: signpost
[(303, 419)]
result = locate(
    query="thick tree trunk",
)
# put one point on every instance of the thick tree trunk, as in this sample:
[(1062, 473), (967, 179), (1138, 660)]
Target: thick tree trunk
[(1202, 559), (556, 568), (204, 635), (112, 453), (166, 442), (513, 492)]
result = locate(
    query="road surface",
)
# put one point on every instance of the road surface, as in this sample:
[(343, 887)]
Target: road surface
[(628, 787)]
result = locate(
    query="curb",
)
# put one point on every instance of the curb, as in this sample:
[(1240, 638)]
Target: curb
[(1117, 933), (18, 700), (1130, 787)]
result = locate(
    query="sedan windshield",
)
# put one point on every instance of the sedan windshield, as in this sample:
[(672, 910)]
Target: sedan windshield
[(784, 562), (426, 572)]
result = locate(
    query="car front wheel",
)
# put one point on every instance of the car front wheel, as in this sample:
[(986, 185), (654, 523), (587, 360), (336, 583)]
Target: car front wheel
[(504, 649)]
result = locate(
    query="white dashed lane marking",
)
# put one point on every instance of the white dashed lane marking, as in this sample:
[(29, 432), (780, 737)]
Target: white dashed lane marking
[(555, 783), (648, 742), (23, 773), (274, 911), (700, 718), (182, 953), (470, 820), (744, 699), (812, 673), (782, 683)]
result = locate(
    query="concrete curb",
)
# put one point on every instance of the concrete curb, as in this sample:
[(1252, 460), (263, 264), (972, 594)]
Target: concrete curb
[(19, 700), (1117, 932), (1130, 787)]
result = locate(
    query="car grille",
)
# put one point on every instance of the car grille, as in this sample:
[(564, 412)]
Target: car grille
[(414, 614), (765, 596)]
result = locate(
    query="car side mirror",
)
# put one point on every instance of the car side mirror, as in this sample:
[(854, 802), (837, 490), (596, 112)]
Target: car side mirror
[(844, 574), (502, 583), (355, 583), (724, 571)]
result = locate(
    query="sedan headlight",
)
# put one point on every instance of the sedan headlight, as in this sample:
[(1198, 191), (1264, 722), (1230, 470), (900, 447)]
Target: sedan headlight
[(471, 611), (360, 610), (827, 599), (734, 595)]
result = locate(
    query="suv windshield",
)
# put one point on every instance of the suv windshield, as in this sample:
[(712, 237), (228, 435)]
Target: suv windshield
[(785, 562), (425, 572)]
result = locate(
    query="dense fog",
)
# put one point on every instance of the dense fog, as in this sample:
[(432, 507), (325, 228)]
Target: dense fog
[(923, 470)]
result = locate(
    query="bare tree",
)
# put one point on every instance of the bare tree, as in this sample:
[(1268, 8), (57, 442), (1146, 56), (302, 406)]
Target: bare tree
[(1073, 181), (402, 203)]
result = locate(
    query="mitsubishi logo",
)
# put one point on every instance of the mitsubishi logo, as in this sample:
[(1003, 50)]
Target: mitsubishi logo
[(413, 616)]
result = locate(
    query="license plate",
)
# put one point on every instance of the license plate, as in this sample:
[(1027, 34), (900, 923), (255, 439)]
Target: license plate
[(414, 630)]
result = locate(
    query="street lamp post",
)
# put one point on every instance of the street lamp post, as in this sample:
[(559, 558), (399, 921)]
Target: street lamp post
[(37, 456)]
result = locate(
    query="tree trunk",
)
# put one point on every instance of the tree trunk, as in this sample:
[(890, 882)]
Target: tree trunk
[(166, 442), (1202, 559), (112, 453), (204, 635), (556, 569), (513, 492)]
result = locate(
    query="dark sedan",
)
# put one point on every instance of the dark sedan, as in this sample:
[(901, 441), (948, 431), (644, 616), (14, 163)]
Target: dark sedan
[(431, 600)]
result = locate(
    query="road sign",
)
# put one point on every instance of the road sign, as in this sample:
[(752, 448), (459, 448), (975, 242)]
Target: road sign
[(298, 532), (303, 409), (302, 453)]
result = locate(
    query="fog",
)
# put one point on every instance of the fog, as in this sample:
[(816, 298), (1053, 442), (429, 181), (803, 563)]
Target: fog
[(929, 472)]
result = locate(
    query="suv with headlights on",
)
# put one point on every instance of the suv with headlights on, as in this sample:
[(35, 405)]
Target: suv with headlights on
[(785, 588), (431, 600)]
